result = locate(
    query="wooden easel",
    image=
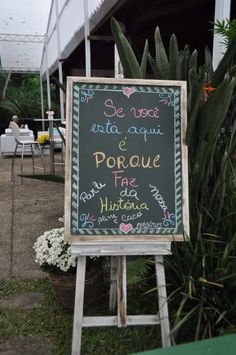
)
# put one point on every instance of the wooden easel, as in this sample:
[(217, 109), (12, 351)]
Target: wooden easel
[(129, 235), (121, 319)]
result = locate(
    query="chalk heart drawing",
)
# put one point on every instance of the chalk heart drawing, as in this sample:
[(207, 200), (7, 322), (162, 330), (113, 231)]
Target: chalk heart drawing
[(128, 91), (125, 228)]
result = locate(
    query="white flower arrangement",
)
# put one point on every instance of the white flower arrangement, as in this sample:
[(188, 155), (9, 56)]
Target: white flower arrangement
[(53, 254)]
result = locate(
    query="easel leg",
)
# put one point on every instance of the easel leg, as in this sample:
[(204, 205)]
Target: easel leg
[(113, 281), (162, 299), (121, 291), (79, 305)]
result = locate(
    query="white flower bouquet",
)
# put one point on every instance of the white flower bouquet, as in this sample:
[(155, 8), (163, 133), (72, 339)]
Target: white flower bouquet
[(53, 254)]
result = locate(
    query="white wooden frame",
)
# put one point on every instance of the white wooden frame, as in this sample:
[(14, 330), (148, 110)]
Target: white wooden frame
[(111, 239)]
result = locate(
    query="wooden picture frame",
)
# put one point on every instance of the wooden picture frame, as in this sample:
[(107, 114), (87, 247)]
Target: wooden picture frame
[(171, 98)]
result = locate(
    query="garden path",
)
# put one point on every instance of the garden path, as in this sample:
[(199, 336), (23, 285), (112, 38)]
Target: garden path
[(26, 211)]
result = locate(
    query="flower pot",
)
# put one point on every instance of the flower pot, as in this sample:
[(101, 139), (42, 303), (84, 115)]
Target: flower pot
[(63, 286)]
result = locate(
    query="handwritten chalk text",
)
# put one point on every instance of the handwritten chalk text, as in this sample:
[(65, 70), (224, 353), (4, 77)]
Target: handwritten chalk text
[(123, 162), (120, 204)]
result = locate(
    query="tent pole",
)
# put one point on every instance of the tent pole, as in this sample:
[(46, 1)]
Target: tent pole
[(87, 41), (42, 101), (59, 62), (47, 76)]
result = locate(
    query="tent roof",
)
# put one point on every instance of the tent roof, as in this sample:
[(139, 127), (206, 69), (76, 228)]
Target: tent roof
[(23, 24)]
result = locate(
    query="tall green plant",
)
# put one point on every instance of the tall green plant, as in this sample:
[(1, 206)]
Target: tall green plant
[(132, 68), (201, 273)]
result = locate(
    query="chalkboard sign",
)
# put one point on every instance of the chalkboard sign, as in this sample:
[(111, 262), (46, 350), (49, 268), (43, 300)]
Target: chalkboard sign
[(126, 172)]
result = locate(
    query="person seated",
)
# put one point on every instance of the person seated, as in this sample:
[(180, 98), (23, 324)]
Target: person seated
[(16, 119)]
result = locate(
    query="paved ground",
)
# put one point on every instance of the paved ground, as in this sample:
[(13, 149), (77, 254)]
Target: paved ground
[(26, 211)]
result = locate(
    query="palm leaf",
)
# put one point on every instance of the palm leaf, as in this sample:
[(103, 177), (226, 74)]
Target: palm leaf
[(128, 59)]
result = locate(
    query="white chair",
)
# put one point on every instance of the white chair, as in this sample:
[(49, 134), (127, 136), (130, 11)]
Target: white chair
[(8, 143), (30, 143)]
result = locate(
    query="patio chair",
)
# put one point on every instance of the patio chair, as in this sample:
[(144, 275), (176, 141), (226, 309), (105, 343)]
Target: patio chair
[(30, 143)]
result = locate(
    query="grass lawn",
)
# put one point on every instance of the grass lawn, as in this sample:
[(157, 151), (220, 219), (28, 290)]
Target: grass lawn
[(53, 322)]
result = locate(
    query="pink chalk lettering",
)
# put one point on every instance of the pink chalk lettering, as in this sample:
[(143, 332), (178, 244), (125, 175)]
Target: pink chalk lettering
[(114, 111), (144, 112)]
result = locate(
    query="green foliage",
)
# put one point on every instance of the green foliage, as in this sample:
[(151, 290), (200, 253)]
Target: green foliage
[(207, 128), (226, 28), (201, 273), (132, 69), (226, 63), (6, 104), (23, 96), (51, 321), (137, 269), (9, 106), (201, 278)]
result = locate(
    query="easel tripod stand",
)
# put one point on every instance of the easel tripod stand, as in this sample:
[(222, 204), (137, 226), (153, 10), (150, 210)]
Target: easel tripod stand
[(121, 319)]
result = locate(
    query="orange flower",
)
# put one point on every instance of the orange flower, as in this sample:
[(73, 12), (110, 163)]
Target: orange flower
[(207, 90)]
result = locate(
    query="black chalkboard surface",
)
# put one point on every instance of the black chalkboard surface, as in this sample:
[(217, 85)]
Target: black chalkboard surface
[(126, 160)]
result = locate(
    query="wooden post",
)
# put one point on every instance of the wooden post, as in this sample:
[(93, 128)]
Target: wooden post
[(113, 283), (79, 305), (121, 291), (162, 300)]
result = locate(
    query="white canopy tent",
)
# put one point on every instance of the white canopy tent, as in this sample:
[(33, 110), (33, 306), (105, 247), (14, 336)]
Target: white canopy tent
[(35, 36), (23, 25)]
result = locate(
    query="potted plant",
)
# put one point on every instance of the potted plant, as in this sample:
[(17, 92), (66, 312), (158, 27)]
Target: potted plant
[(53, 254)]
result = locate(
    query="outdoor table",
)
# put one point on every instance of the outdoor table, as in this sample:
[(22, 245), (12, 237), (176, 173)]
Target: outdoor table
[(225, 344), (51, 136)]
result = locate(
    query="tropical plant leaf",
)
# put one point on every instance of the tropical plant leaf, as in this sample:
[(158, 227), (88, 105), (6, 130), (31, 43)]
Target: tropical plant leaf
[(143, 65), (161, 56), (184, 62), (194, 101), (213, 113), (155, 69), (128, 59), (208, 63), (225, 63), (193, 60), (186, 318), (174, 60)]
